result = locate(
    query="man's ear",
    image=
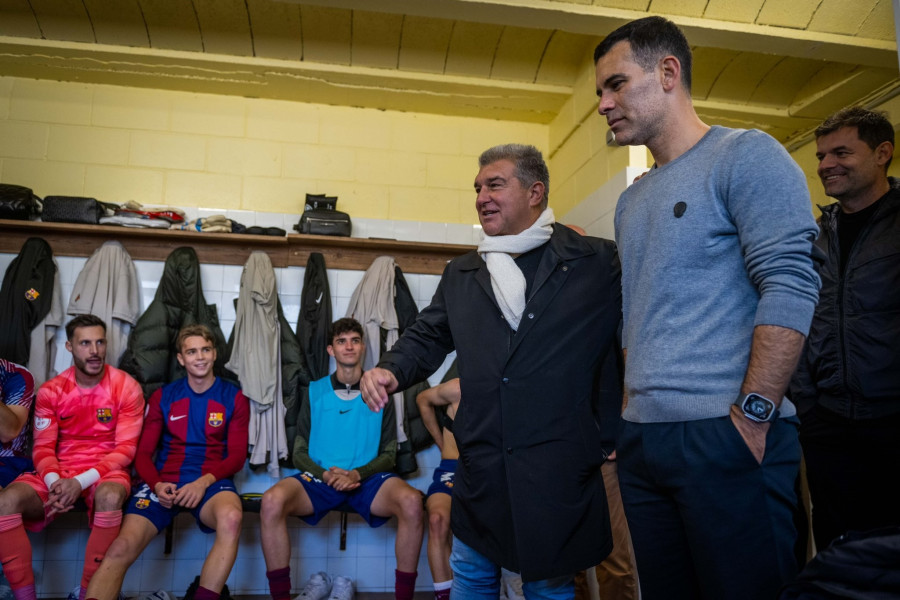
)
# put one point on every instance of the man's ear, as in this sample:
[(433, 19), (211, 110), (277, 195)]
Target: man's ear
[(330, 349), (670, 73), (536, 193), (883, 153), (180, 358), (68, 345)]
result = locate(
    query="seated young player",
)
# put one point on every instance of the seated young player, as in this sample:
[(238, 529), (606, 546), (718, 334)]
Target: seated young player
[(440, 492), (16, 398), (197, 426), (345, 453), (87, 421)]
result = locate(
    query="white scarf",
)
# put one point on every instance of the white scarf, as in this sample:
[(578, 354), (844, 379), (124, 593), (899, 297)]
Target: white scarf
[(507, 280)]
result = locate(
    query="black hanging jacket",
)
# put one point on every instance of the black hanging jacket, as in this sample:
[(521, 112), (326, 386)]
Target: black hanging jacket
[(25, 298)]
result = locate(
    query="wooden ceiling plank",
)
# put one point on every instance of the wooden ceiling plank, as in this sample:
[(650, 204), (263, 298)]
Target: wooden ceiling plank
[(795, 14), (687, 8), (118, 22), (519, 52), (172, 26), (779, 87), (63, 20), (376, 39), (833, 16), (326, 34), (225, 26), (740, 75), (424, 43), (741, 11), (472, 48), (564, 56), (18, 20), (879, 24), (600, 20), (276, 29)]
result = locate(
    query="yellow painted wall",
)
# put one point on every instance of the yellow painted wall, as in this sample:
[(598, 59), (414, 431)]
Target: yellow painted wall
[(222, 152), (580, 161)]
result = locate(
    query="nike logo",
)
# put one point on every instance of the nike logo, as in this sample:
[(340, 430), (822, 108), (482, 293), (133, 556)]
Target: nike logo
[(343, 412), (319, 299), (174, 418)]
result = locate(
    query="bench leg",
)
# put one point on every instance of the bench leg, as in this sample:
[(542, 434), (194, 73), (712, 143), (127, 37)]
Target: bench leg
[(343, 531), (169, 530)]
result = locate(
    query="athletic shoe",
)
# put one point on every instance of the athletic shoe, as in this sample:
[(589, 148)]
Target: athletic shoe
[(512, 584), (158, 595), (342, 590), (76, 591), (317, 588)]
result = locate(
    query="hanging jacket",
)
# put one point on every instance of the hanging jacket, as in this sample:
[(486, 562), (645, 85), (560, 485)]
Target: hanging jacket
[(314, 320), (108, 287), (150, 356), (25, 298), (42, 353), (256, 359)]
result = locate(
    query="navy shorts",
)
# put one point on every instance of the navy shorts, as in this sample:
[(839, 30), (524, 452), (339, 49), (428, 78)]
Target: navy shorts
[(325, 498), (443, 478), (13, 466), (145, 503)]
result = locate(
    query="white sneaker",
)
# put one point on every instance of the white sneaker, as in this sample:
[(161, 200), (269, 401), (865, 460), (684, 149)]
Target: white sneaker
[(76, 591), (512, 583), (157, 595), (317, 588), (342, 590)]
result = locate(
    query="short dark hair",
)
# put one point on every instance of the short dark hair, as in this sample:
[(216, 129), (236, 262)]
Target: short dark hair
[(651, 39), (83, 321), (345, 325), (530, 165), (194, 331), (872, 126)]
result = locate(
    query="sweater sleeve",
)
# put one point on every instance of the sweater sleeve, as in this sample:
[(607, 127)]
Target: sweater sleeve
[(149, 441), (776, 228), (238, 435), (301, 456), (387, 446), (128, 427)]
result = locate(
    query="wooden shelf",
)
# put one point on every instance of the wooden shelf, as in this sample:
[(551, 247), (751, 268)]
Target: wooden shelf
[(230, 248)]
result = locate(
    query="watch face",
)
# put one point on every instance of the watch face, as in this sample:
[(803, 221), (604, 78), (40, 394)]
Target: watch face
[(758, 407)]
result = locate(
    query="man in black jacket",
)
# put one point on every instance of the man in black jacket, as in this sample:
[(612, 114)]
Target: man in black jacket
[(531, 315), (847, 387)]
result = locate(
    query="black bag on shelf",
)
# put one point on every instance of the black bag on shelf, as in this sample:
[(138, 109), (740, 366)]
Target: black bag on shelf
[(320, 217), (72, 209), (18, 202)]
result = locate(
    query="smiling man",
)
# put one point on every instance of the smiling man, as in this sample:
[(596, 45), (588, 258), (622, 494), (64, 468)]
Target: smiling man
[(345, 454), (196, 428), (719, 289), (86, 425), (848, 384), (531, 314)]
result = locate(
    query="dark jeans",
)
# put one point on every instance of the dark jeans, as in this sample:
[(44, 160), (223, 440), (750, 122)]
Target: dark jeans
[(707, 521), (852, 469)]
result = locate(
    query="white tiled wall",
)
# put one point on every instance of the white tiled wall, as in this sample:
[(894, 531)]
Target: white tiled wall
[(369, 557)]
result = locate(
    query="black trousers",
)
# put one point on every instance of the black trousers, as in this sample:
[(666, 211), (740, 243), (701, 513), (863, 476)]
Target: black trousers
[(707, 520), (852, 468)]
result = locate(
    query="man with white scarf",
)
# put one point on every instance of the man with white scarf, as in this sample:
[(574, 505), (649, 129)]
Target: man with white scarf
[(532, 314)]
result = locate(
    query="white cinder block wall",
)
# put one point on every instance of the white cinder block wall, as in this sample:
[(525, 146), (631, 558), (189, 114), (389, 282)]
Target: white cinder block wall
[(369, 557)]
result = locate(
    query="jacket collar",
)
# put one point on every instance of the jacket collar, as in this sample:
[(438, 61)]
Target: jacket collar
[(888, 203)]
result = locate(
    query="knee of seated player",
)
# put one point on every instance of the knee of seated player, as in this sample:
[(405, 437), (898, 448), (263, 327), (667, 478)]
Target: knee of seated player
[(438, 522), (228, 521), (15, 498), (408, 504), (124, 550), (273, 505), (109, 496)]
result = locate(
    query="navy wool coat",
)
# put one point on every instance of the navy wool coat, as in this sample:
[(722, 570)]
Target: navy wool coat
[(528, 492)]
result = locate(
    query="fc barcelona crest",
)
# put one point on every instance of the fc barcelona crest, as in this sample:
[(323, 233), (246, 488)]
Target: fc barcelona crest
[(104, 415), (216, 419), (142, 503)]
